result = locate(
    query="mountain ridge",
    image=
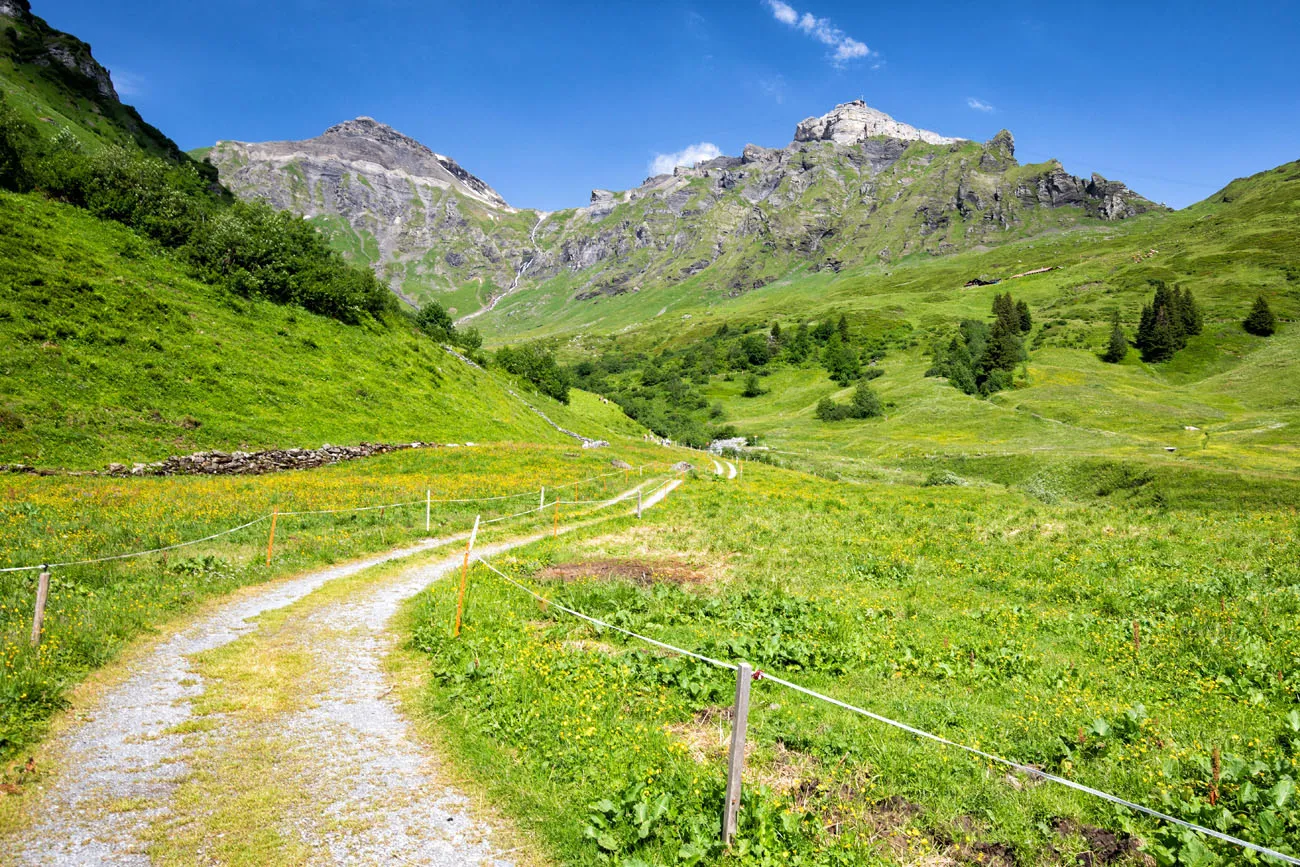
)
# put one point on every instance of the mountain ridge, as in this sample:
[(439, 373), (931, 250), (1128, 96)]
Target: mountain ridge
[(854, 186)]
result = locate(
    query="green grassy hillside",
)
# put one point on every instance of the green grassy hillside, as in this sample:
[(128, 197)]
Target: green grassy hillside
[(112, 353), (1240, 392)]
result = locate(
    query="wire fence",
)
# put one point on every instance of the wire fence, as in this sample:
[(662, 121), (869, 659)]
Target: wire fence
[(1028, 770), (424, 501)]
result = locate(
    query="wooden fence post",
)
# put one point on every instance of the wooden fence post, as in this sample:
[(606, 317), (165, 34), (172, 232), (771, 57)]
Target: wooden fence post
[(542, 504), (271, 541), (428, 503), (736, 761), (464, 575), (42, 594), (555, 528), (638, 504)]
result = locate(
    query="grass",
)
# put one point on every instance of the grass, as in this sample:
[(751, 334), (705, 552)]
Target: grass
[(95, 612), (980, 613), (114, 354)]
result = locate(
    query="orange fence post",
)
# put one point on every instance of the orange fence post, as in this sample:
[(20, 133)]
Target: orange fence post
[(271, 541), (464, 575)]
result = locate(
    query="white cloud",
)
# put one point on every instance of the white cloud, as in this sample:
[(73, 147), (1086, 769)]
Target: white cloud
[(127, 83), (979, 104), (783, 12), (844, 47), (663, 164)]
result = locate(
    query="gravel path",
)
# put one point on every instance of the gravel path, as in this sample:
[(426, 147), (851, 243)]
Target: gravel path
[(375, 795)]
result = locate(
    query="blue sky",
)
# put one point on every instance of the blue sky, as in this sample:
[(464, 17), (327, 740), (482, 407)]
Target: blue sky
[(545, 101)]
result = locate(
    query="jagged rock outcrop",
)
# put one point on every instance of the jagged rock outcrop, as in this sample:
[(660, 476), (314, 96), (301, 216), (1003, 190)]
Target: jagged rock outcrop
[(854, 186), (53, 47), (853, 122)]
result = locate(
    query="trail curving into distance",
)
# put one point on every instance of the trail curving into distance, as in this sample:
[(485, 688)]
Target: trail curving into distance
[(368, 791), (514, 284)]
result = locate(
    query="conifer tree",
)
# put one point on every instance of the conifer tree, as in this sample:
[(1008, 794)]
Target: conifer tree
[(1026, 320), (1163, 342), (1261, 321), (1118, 347), (1193, 323), (843, 328), (776, 331)]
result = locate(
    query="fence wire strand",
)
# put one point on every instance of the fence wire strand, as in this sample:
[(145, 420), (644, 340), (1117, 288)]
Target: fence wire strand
[(921, 733)]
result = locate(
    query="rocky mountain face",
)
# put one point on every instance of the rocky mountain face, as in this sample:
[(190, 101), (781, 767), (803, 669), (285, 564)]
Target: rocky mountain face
[(417, 216), (855, 186), (65, 63)]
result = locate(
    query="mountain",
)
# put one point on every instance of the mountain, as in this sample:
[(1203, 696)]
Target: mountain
[(855, 186), (54, 82), (424, 222), (120, 346)]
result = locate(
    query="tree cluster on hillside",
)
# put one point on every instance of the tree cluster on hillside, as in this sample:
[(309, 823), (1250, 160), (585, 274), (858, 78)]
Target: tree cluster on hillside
[(536, 363), (1261, 322), (247, 247), (662, 390), (980, 359), (1167, 322), (863, 404), (434, 320)]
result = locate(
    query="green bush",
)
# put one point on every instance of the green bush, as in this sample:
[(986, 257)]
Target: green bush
[(536, 364)]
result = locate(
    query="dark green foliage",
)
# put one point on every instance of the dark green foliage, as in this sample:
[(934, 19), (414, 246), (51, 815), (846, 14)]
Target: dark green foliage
[(751, 351), (841, 360), (1261, 321), (17, 143), (434, 320), (980, 359), (753, 388), (248, 248), (1026, 320), (536, 364), (776, 332), (863, 404), (1117, 349), (277, 255), (1167, 322), (798, 347), (823, 331), (843, 328)]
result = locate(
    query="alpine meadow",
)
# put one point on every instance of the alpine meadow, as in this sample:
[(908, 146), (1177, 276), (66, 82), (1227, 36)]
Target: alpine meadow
[(882, 497)]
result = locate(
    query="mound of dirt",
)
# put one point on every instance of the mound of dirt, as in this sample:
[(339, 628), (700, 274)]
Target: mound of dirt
[(638, 572)]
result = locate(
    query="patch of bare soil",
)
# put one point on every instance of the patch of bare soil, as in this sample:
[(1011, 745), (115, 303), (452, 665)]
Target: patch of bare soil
[(1104, 847), (640, 572)]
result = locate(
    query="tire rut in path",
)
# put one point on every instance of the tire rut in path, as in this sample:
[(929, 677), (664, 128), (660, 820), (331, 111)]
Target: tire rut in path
[(367, 763)]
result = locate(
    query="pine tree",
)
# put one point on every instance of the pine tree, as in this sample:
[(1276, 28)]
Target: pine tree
[(1193, 323), (1004, 349), (1145, 327), (776, 331), (1164, 340), (841, 360), (1170, 302), (1118, 348), (823, 331), (843, 328), (1022, 313), (1261, 321), (1004, 310)]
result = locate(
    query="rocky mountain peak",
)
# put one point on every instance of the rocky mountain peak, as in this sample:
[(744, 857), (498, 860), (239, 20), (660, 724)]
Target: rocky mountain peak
[(853, 122), (369, 129)]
